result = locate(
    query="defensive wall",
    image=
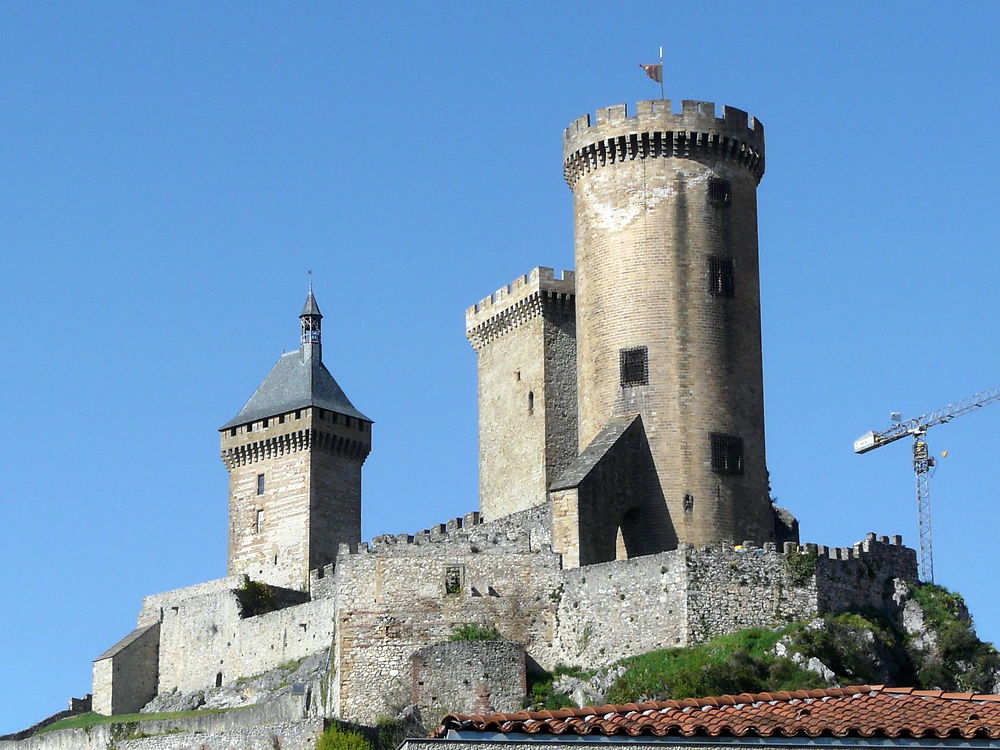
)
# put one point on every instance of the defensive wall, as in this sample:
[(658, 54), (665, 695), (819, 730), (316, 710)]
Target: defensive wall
[(285, 724), (384, 602), (402, 594), (616, 609)]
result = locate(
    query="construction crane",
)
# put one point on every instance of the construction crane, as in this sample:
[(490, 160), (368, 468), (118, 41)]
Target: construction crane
[(923, 460)]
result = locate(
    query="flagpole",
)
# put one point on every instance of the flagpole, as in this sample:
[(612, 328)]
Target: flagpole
[(661, 74)]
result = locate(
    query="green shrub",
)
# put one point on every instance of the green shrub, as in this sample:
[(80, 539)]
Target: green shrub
[(335, 737), (471, 631), (801, 566), (961, 661), (255, 597), (857, 649), (735, 663)]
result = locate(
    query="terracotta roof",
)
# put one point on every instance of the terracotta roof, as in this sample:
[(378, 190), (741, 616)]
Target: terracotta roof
[(858, 711)]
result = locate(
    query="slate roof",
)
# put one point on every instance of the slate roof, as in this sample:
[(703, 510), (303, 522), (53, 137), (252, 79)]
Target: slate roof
[(295, 384), (310, 307), (858, 711)]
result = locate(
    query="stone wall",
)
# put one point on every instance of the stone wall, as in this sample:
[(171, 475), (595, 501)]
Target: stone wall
[(408, 592), (471, 677), (205, 642), (612, 610), (619, 608), (285, 719), (299, 735)]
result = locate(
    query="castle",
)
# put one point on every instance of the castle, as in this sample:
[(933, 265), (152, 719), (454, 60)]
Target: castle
[(624, 501)]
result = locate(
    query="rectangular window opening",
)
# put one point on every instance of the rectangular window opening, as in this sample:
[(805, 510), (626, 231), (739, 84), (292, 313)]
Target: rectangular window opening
[(721, 276), (452, 580), (259, 521), (727, 454), (633, 365), (719, 193), (260, 484)]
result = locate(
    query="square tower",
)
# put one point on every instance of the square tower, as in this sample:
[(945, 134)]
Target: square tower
[(525, 340), (294, 455)]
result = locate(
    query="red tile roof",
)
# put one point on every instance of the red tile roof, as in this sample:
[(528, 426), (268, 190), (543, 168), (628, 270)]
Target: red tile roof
[(858, 711)]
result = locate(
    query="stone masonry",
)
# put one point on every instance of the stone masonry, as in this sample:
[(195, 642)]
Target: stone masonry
[(524, 335), (668, 310), (623, 489)]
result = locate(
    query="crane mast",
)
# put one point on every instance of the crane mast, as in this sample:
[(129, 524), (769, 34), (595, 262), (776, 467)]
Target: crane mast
[(923, 461)]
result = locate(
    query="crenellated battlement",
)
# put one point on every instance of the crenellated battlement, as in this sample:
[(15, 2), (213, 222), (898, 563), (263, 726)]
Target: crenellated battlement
[(519, 301), (656, 131)]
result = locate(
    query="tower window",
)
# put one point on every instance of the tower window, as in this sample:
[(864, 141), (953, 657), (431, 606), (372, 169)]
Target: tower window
[(719, 193), (266, 422), (232, 432), (727, 454), (688, 502), (633, 365), (259, 521), (721, 276), (260, 484), (531, 402)]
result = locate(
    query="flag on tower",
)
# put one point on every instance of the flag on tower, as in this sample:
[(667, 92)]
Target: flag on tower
[(654, 71)]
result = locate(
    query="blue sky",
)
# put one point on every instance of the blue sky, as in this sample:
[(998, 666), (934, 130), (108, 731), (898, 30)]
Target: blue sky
[(171, 170)]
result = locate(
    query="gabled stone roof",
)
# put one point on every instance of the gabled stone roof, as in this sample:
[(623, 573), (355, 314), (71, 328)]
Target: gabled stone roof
[(295, 383), (858, 711)]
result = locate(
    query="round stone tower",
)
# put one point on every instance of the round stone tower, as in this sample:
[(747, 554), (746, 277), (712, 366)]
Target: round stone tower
[(668, 307)]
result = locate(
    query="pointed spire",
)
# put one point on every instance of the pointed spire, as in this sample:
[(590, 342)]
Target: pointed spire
[(310, 308)]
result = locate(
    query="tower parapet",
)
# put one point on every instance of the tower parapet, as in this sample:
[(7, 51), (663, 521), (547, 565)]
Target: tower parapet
[(655, 131), (518, 301)]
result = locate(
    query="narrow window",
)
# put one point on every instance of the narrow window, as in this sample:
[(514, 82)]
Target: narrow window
[(727, 454), (298, 413), (517, 375), (232, 432), (250, 427), (531, 402), (266, 421), (259, 522), (452, 580), (260, 484), (719, 193), (633, 366), (281, 419), (275, 559), (688, 502), (218, 679), (721, 276)]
